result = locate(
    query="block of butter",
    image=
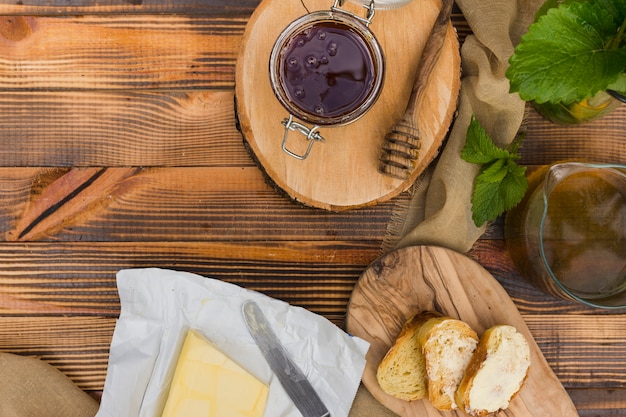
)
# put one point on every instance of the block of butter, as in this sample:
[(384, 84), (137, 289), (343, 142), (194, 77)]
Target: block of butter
[(209, 384)]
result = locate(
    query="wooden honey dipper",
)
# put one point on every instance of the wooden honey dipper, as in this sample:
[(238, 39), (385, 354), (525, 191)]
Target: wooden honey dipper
[(402, 143)]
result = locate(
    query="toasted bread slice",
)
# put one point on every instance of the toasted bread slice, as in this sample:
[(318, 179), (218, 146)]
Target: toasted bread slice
[(447, 345), (401, 373), (496, 373)]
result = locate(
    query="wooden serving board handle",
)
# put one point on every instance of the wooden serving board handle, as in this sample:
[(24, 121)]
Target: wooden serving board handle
[(342, 173), (413, 279)]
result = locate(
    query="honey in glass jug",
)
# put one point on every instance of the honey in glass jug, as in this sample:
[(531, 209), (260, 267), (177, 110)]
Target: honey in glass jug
[(568, 235)]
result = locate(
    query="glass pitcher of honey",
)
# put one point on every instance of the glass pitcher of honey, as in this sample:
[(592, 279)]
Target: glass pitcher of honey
[(568, 235)]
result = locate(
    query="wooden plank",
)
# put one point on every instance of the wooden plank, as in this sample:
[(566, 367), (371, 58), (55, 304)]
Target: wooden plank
[(114, 52), (599, 402), (186, 7), (193, 128), (584, 349), (79, 345), (68, 7), (598, 141), (119, 51), (159, 204), (55, 7), (226, 8), (78, 128), (79, 278)]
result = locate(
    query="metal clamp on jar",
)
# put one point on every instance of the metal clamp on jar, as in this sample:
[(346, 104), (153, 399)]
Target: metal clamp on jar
[(326, 69)]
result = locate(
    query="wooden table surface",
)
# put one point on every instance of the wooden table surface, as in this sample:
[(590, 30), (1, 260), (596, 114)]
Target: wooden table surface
[(118, 149)]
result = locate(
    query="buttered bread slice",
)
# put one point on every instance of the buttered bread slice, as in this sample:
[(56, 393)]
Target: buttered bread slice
[(447, 345), (496, 372), (402, 372)]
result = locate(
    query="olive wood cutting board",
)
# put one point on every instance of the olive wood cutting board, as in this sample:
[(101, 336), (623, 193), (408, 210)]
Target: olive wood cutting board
[(342, 173), (406, 281)]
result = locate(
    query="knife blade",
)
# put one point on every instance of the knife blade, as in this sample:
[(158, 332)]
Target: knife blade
[(289, 375)]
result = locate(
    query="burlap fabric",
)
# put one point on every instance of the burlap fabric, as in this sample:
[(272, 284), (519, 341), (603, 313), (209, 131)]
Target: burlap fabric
[(32, 388), (439, 212)]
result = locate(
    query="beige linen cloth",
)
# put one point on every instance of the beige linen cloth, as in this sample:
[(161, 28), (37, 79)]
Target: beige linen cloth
[(30, 387), (439, 212)]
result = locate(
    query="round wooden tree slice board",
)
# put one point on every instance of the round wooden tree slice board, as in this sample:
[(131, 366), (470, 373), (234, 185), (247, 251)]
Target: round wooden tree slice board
[(406, 281), (341, 173)]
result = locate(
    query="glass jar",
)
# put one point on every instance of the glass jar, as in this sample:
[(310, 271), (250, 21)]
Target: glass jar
[(326, 69), (568, 235), (601, 104)]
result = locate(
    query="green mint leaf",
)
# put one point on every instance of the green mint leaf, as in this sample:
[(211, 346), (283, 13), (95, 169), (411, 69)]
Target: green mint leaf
[(485, 201), (492, 198), (616, 8), (619, 85), (479, 148), (514, 185), (494, 172), (568, 53), (501, 183)]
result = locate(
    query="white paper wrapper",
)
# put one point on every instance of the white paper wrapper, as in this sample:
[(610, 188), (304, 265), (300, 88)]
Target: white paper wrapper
[(160, 306)]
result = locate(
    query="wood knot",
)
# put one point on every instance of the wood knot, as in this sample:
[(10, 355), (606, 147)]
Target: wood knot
[(15, 28)]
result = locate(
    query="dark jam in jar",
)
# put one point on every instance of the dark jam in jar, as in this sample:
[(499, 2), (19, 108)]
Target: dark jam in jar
[(327, 70)]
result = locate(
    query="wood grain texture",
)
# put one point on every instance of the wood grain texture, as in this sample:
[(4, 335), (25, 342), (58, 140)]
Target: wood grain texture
[(598, 141), (126, 128), (223, 8), (79, 347), (571, 353), (71, 7), (119, 149), (196, 128), (342, 172), (159, 204), (151, 52), (404, 282), (74, 278), (598, 402)]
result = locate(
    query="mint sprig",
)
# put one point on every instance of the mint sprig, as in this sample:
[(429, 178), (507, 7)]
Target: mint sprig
[(571, 52), (501, 183)]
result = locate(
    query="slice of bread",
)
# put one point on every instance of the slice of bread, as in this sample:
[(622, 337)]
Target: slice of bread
[(402, 373), (447, 345), (496, 373)]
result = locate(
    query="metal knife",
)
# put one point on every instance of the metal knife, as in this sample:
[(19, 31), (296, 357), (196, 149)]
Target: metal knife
[(290, 376)]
